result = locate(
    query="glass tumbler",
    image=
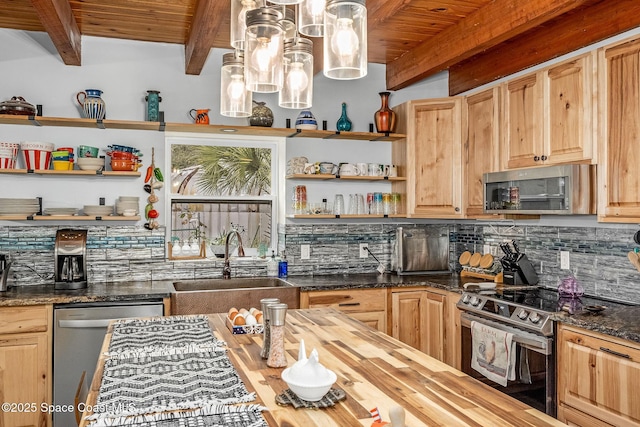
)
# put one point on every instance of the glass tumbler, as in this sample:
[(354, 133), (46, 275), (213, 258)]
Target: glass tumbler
[(386, 203), (338, 204), (377, 204)]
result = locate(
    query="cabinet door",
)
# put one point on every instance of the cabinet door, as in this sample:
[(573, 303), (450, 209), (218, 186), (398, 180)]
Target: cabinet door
[(417, 320), (453, 331), (619, 155), (481, 147), (375, 319), (523, 122), (569, 102), (434, 157), (24, 380), (599, 377), (574, 418)]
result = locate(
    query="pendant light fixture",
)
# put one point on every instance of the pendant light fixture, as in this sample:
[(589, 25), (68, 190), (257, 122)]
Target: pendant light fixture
[(264, 50), (297, 90), (235, 99), (239, 9), (311, 17), (285, 2), (345, 39)]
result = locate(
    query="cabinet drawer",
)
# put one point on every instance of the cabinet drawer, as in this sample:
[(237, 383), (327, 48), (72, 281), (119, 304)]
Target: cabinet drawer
[(23, 319), (349, 300)]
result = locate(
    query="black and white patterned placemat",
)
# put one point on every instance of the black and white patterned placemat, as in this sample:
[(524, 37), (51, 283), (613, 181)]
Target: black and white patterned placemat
[(131, 337), (166, 382), (211, 416)]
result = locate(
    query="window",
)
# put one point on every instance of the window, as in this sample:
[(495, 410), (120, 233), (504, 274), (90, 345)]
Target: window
[(223, 184)]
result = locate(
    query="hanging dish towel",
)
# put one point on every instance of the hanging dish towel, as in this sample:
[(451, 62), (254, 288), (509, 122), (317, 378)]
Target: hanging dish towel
[(493, 353)]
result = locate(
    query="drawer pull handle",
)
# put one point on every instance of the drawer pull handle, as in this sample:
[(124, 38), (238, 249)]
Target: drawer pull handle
[(615, 353), (348, 304)]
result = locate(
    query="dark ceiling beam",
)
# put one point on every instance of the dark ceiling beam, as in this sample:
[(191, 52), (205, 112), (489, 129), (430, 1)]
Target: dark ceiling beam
[(563, 35), (204, 28), (57, 19), (490, 25)]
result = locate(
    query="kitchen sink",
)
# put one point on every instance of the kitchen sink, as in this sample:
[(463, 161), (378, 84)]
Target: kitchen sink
[(206, 296)]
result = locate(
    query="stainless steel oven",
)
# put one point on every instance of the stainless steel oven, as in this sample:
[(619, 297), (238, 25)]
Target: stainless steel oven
[(520, 313)]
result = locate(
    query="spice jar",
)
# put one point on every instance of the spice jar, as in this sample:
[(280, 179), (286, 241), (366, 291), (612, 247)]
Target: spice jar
[(277, 314), (266, 332)]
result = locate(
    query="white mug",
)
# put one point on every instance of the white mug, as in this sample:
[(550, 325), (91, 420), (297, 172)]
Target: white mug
[(393, 171), (347, 169), (363, 168), (374, 169), (311, 168)]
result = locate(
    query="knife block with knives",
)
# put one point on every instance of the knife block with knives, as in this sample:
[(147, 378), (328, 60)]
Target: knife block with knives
[(516, 267)]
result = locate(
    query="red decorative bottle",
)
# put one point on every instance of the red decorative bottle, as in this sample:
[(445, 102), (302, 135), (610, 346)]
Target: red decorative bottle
[(385, 117)]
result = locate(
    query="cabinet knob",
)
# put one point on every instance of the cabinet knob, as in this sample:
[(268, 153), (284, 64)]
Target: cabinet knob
[(457, 209), (543, 158), (536, 158)]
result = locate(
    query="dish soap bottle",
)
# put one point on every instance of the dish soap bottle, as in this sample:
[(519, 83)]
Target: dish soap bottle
[(283, 266), (272, 266)]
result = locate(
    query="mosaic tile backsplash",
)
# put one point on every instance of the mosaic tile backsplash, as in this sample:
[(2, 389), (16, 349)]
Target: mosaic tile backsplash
[(123, 253)]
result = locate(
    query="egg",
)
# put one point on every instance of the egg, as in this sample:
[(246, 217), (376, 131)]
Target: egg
[(259, 317), (251, 320), (239, 320), (244, 312), (253, 310), (232, 312)]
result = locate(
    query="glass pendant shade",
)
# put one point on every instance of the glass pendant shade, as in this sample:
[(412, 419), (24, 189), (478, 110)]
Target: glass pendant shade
[(345, 39), (239, 9), (297, 90), (285, 1), (263, 53), (311, 17), (289, 23), (235, 99)]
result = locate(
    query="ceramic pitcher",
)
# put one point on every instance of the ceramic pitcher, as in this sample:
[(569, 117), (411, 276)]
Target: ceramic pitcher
[(201, 117), (91, 103)]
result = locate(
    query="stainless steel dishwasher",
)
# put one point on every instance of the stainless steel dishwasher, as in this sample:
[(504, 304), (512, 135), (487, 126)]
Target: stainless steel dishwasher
[(79, 331)]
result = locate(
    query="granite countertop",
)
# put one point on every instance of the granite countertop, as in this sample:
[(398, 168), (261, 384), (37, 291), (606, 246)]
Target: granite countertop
[(449, 282), (95, 292)]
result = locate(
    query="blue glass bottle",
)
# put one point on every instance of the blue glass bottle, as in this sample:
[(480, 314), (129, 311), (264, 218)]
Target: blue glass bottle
[(283, 266), (344, 124)]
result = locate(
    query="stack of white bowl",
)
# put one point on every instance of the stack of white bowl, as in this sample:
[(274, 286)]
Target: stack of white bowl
[(128, 205), (90, 163), (98, 210), (19, 206)]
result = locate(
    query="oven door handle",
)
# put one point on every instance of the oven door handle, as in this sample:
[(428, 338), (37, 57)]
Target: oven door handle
[(533, 342)]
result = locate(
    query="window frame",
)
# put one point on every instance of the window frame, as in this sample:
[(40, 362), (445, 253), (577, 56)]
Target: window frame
[(277, 146)]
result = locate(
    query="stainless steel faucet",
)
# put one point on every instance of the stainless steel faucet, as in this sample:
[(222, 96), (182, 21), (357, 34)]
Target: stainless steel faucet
[(226, 271)]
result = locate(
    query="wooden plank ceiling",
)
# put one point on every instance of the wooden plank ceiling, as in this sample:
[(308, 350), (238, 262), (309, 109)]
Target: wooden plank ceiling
[(478, 41)]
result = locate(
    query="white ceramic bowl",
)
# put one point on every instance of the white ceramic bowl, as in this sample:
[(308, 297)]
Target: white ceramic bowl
[(309, 392), (90, 161)]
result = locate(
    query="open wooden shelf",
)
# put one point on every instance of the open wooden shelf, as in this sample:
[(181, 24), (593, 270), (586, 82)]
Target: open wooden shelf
[(68, 218), (69, 172), (324, 176), (343, 216), (194, 128)]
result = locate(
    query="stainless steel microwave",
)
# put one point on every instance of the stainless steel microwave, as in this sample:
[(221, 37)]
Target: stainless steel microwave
[(552, 190)]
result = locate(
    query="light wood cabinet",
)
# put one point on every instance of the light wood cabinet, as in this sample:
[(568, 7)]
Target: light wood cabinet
[(619, 109), (481, 147), (25, 364), (417, 319), (431, 157), (549, 115), (597, 378), (367, 305), (452, 331)]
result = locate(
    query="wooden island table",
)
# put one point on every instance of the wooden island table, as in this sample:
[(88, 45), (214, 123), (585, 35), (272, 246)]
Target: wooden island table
[(374, 369)]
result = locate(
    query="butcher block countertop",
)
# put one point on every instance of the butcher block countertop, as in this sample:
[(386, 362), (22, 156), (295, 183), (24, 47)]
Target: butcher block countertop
[(374, 369)]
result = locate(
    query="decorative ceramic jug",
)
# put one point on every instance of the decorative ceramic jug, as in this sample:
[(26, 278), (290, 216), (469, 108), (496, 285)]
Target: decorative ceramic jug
[(344, 124), (201, 117), (261, 115), (306, 120), (92, 104), (385, 117), (153, 99)]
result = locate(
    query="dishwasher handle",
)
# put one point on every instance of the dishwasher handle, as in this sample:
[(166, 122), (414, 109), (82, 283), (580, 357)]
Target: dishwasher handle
[(85, 323)]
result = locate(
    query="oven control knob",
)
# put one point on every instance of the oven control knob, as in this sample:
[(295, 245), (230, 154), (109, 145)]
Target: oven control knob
[(523, 315), (475, 301), (465, 299), (535, 317)]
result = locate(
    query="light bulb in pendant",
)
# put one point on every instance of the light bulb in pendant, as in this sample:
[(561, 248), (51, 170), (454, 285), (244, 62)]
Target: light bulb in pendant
[(315, 8), (344, 41), (297, 79), (236, 88), (261, 56), (241, 23)]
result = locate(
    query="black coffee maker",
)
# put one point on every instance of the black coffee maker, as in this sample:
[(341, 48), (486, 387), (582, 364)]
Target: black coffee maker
[(516, 267), (71, 259)]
